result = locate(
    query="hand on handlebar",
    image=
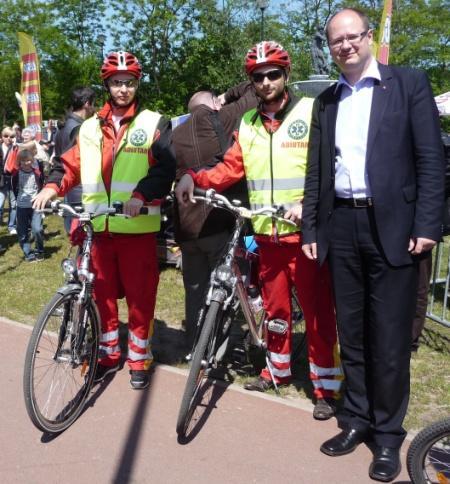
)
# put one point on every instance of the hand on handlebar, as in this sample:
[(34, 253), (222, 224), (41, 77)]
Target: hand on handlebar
[(294, 214), (43, 197), (132, 207), (184, 190)]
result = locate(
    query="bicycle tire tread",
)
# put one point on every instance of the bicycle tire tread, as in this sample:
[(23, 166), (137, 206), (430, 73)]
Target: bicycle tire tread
[(188, 399), (420, 446), (38, 419)]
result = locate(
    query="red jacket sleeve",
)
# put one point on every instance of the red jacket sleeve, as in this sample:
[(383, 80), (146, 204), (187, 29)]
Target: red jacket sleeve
[(224, 174), (72, 173)]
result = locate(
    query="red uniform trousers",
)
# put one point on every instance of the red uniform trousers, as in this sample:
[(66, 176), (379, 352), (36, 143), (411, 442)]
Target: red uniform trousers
[(126, 265), (282, 264)]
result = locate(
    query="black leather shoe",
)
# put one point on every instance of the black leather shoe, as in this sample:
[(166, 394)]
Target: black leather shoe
[(258, 385), (343, 443), (386, 464)]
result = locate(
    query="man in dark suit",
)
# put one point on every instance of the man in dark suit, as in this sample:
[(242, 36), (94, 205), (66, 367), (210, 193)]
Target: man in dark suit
[(374, 196)]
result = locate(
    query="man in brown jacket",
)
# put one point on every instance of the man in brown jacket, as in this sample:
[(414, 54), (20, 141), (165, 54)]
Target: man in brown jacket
[(201, 231)]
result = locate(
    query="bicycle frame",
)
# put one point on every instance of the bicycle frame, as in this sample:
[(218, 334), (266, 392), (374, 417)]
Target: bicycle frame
[(227, 282), (78, 273)]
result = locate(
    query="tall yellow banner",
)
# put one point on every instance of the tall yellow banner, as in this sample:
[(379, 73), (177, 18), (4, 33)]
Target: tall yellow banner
[(384, 37), (30, 86)]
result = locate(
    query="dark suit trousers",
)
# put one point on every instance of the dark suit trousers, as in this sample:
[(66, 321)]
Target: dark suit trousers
[(375, 305)]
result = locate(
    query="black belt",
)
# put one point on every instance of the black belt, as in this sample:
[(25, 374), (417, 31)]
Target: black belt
[(353, 202)]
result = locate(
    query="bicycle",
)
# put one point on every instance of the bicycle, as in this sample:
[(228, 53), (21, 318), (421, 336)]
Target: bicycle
[(428, 458), (61, 358), (227, 293)]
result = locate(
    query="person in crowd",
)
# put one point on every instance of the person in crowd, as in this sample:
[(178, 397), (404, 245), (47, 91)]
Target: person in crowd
[(201, 232), (27, 181), (269, 150), (29, 137), (82, 107), (48, 137), (8, 147), (426, 261), (123, 153), (373, 203), (18, 131)]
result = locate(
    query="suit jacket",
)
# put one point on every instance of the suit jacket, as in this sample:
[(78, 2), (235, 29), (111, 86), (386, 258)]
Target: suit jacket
[(404, 161)]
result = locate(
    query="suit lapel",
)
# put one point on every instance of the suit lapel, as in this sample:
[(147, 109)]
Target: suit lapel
[(381, 94), (331, 114)]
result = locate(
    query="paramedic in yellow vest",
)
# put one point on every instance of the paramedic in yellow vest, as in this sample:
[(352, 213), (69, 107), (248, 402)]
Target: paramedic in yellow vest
[(269, 150), (123, 154)]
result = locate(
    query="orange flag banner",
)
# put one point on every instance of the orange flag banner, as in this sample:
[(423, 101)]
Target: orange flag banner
[(385, 33), (30, 85)]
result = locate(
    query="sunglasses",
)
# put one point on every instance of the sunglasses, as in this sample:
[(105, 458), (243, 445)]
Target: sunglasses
[(271, 75), (8, 136), (123, 82)]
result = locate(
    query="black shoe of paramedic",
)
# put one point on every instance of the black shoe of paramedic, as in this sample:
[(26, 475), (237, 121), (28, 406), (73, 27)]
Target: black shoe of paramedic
[(324, 409), (259, 385), (139, 379)]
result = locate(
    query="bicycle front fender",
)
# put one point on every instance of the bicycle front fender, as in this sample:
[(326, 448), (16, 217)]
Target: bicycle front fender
[(219, 295), (68, 288)]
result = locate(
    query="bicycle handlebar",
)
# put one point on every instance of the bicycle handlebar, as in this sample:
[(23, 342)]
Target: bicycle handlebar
[(57, 206), (211, 197)]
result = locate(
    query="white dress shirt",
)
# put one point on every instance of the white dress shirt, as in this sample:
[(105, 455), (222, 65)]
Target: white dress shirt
[(352, 126)]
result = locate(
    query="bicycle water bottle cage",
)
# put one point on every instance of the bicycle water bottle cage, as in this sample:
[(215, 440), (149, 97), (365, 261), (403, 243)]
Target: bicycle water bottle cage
[(277, 326)]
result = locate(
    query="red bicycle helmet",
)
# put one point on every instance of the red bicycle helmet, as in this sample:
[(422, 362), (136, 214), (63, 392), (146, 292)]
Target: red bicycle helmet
[(121, 62), (266, 53)]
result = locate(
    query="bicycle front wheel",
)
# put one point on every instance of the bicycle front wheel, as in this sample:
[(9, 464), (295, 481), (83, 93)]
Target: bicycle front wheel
[(428, 458), (60, 362), (203, 353)]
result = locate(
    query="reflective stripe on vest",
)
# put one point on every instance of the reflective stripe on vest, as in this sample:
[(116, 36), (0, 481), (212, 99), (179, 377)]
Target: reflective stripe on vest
[(275, 164), (129, 167)]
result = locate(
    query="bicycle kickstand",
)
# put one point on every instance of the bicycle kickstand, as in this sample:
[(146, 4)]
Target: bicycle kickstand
[(269, 367)]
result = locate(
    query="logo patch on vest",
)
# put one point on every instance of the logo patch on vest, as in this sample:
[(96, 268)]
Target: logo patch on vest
[(138, 137), (298, 129)]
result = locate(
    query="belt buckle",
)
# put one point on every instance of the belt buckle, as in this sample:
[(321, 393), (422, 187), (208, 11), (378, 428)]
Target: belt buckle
[(362, 202)]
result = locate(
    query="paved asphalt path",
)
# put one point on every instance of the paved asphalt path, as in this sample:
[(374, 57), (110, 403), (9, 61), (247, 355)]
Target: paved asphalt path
[(127, 436)]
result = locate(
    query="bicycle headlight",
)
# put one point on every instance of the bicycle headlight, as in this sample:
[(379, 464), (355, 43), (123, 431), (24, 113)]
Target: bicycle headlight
[(68, 266), (224, 273)]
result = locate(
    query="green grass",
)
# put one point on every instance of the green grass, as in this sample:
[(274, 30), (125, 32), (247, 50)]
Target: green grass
[(26, 287)]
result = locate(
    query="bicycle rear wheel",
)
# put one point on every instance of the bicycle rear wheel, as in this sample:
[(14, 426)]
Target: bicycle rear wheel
[(60, 362), (428, 458), (204, 352)]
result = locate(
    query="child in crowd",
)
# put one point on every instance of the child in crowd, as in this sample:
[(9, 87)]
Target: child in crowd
[(27, 182)]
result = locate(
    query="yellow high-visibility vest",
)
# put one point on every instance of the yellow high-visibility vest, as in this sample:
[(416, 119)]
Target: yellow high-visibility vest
[(130, 165), (275, 163)]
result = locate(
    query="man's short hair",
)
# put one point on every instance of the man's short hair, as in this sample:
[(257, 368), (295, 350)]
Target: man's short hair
[(81, 96), (362, 15)]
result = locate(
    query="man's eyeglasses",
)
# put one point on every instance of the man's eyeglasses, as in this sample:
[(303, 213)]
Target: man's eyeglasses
[(271, 75), (8, 136), (351, 39), (129, 83)]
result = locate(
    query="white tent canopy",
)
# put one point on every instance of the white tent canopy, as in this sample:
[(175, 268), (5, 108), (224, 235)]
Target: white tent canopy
[(443, 104)]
